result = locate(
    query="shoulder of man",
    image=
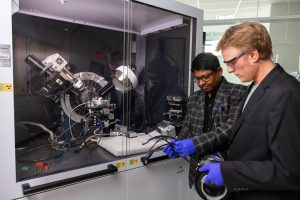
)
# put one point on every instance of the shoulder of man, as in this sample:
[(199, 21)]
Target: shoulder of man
[(196, 94), (234, 88), (285, 80), (194, 98)]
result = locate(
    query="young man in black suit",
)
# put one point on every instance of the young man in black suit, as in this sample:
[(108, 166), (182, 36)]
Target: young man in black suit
[(263, 152)]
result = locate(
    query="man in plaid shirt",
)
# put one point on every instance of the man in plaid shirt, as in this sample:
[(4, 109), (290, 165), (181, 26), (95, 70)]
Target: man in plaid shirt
[(211, 112)]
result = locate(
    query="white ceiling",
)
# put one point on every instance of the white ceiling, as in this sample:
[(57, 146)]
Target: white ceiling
[(220, 9), (103, 13), (110, 13)]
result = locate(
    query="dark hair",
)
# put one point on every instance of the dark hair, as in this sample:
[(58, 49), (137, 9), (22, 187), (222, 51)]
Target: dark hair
[(159, 66), (115, 58), (205, 61)]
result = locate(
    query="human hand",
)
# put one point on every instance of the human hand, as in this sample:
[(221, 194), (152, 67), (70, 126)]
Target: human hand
[(184, 147), (169, 150), (214, 175)]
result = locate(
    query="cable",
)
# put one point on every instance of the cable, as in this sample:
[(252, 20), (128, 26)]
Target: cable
[(159, 137), (44, 128), (41, 159), (70, 127)]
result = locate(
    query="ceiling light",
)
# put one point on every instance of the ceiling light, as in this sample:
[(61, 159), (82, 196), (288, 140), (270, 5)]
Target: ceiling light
[(63, 1)]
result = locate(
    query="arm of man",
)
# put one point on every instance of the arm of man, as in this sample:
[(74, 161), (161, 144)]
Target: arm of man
[(186, 132), (213, 140)]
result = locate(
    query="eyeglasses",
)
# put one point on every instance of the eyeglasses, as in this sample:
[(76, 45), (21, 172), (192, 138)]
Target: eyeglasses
[(204, 78), (232, 61)]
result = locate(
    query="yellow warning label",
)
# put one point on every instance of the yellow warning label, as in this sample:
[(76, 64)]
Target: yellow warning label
[(133, 161), (6, 87), (120, 164)]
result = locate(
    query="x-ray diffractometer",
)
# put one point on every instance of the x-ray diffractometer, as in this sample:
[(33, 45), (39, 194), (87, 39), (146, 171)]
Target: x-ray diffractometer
[(81, 114)]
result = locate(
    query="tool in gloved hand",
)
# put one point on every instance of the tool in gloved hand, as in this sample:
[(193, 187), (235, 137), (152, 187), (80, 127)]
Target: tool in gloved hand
[(214, 175), (169, 150), (180, 148), (184, 147)]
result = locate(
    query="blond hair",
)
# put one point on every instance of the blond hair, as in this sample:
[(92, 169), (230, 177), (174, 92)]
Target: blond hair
[(248, 36)]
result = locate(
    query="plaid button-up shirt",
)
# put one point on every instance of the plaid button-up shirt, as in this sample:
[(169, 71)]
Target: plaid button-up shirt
[(225, 111)]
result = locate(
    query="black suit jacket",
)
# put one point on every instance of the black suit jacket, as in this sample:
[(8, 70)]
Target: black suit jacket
[(264, 148)]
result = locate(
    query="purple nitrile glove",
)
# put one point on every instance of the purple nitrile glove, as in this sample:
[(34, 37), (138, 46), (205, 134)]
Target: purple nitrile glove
[(214, 175), (169, 150), (184, 147)]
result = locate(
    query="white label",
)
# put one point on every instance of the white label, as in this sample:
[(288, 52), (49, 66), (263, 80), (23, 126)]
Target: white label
[(4, 55)]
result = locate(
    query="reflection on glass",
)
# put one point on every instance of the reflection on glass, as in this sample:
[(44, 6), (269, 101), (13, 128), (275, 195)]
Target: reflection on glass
[(66, 105)]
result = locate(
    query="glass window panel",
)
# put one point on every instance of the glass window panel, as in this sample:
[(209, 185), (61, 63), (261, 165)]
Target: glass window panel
[(81, 86), (284, 35), (62, 70)]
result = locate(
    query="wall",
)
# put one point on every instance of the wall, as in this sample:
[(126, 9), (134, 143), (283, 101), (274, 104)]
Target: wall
[(285, 36)]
